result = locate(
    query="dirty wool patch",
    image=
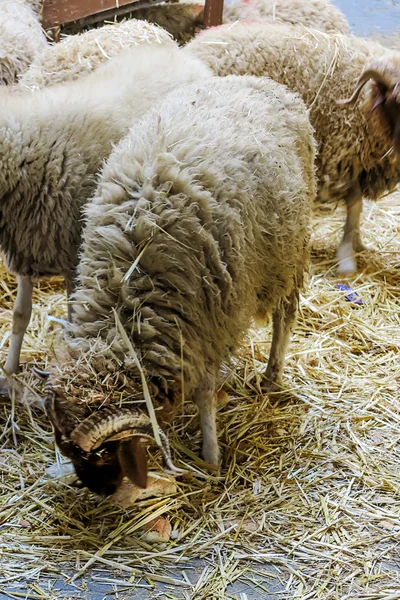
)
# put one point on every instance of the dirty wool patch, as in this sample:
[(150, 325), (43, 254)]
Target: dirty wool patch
[(309, 490)]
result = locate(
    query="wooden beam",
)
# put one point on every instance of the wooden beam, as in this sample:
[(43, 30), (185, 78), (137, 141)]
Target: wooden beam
[(213, 10), (59, 12)]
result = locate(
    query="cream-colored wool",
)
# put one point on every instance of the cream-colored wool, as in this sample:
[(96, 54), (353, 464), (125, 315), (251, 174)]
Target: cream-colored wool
[(21, 38), (185, 19), (200, 222), (52, 144), (355, 157), (78, 55)]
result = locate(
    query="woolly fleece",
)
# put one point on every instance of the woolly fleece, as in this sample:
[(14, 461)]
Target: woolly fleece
[(21, 38), (79, 55), (53, 142), (200, 221), (354, 145)]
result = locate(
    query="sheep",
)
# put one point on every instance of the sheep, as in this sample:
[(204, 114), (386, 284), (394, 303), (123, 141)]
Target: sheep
[(21, 37), (79, 55), (200, 221), (52, 144), (183, 20), (355, 157)]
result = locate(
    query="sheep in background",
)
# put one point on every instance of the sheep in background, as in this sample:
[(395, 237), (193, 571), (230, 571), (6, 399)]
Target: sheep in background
[(80, 54), (21, 38), (200, 222), (356, 157), (52, 144), (183, 20)]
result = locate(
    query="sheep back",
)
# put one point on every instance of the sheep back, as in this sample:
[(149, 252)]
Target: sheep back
[(21, 38), (200, 221), (78, 55), (322, 68), (318, 14), (53, 143)]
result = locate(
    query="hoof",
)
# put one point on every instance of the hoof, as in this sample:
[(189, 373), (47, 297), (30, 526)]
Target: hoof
[(5, 388), (269, 385), (212, 457)]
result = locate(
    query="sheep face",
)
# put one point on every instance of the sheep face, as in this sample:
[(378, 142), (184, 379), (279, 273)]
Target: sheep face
[(390, 112), (384, 95), (103, 447), (99, 471)]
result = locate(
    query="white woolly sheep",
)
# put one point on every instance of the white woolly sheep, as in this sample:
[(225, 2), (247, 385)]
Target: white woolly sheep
[(200, 222), (356, 155), (183, 20), (79, 55), (52, 143), (21, 37)]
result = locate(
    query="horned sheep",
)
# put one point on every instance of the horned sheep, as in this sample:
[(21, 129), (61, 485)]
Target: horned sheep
[(52, 144), (200, 222), (358, 148)]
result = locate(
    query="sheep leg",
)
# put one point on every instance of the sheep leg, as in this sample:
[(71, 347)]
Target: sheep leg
[(283, 319), (206, 399), (21, 317), (70, 285), (351, 241)]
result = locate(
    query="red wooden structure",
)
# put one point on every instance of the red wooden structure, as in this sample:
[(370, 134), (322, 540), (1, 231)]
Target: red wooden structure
[(60, 12)]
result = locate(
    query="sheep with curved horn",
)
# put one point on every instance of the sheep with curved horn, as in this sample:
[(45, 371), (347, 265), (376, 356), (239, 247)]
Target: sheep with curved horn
[(355, 157), (194, 229)]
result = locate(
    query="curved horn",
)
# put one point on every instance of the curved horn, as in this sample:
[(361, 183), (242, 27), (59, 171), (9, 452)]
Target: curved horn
[(364, 77), (110, 424)]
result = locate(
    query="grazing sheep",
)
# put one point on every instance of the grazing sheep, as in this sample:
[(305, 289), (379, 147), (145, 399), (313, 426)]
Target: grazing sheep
[(200, 222), (52, 144), (21, 37), (183, 20), (79, 55), (356, 155)]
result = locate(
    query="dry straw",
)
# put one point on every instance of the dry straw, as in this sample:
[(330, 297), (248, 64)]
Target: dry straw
[(309, 492)]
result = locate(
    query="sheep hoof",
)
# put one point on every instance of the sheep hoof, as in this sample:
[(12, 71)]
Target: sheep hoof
[(5, 389), (345, 259), (270, 385), (347, 266), (211, 456)]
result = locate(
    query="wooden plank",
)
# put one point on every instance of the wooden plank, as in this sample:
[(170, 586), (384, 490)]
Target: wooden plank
[(59, 12), (213, 10)]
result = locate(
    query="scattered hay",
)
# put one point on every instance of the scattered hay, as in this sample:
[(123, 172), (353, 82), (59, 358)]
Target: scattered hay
[(309, 493)]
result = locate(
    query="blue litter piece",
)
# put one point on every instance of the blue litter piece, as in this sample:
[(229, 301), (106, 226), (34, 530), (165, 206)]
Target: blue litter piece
[(352, 296)]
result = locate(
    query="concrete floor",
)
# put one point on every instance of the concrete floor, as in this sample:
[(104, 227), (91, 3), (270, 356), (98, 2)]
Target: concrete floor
[(367, 17)]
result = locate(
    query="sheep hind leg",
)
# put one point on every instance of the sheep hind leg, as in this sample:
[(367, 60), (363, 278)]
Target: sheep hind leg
[(21, 317), (283, 319), (351, 241), (205, 398)]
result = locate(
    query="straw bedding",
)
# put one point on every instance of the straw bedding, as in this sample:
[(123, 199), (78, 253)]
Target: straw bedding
[(310, 479)]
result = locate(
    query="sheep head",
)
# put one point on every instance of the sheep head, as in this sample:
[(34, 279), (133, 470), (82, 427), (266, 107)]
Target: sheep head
[(104, 446), (385, 94)]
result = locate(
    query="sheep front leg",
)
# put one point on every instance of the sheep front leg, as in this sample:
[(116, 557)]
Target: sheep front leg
[(283, 319), (21, 317), (206, 399), (70, 285), (351, 241)]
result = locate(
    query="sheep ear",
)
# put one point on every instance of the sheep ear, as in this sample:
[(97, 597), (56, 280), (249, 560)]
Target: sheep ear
[(133, 461)]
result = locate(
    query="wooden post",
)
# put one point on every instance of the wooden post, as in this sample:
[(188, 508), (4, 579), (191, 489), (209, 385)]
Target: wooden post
[(213, 13)]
